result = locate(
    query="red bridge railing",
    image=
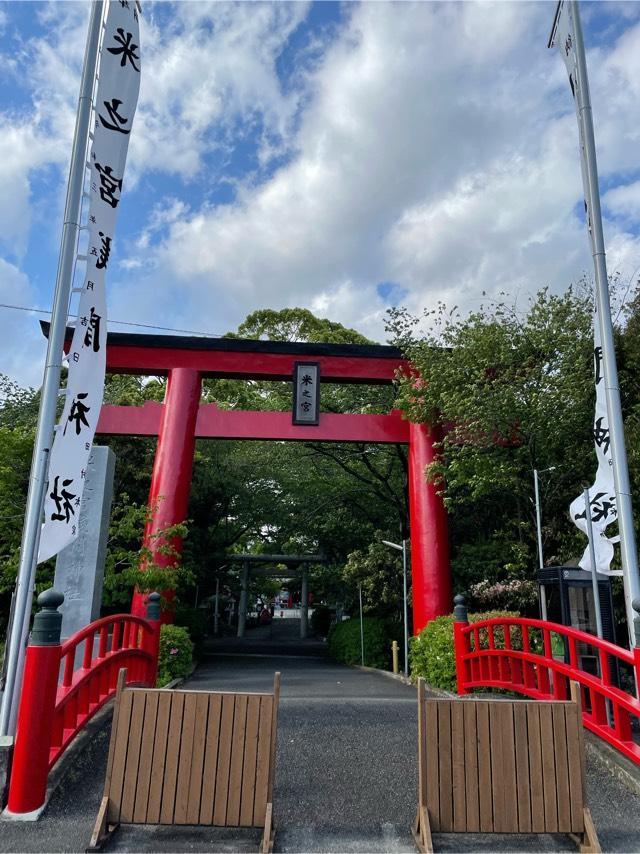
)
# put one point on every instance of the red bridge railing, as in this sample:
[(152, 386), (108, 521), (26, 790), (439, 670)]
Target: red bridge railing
[(65, 685), (529, 657)]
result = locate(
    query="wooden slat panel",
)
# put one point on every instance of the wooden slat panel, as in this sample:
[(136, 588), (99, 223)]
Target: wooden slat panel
[(158, 757), (184, 762), (562, 768), (210, 759), (120, 755), (536, 786), (224, 760), (484, 767), (249, 766), (446, 781), (237, 758), (431, 754), (522, 767), (509, 781), (263, 761), (172, 759), (458, 767), (575, 768), (133, 757), (548, 769), (146, 758), (497, 766), (471, 767), (197, 758)]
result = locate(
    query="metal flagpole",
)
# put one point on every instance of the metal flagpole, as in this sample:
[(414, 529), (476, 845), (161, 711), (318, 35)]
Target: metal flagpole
[(594, 570), (361, 626), (628, 550), (543, 596), (406, 624), (51, 383)]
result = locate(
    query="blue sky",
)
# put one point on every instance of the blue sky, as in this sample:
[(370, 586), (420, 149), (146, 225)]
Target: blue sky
[(340, 156)]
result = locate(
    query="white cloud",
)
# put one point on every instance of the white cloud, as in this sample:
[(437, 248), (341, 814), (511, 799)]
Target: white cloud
[(23, 347)]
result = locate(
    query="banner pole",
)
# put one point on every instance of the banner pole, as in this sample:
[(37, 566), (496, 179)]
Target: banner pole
[(16, 643), (628, 549)]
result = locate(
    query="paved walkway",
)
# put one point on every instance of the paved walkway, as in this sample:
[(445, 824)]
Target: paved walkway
[(346, 769)]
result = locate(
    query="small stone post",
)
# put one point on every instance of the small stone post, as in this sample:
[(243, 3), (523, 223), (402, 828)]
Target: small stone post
[(28, 786), (152, 642), (461, 642)]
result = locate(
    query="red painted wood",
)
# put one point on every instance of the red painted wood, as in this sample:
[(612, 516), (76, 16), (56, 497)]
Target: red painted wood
[(215, 423), (234, 365), (430, 572), (494, 668), (172, 468)]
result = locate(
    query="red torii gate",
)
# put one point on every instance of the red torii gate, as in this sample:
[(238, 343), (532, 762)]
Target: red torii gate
[(182, 419)]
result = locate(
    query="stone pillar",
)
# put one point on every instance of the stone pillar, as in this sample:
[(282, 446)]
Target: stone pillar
[(244, 599), (304, 603), (80, 566), (430, 568), (172, 468)]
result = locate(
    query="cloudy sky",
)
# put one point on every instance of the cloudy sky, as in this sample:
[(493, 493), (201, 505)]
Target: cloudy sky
[(344, 157)]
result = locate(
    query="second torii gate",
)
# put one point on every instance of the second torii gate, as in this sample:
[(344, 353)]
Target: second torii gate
[(182, 419)]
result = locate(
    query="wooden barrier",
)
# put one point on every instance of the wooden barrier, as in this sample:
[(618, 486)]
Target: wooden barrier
[(501, 766), (192, 758)]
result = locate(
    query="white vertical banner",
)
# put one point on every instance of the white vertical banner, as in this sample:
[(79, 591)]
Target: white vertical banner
[(115, 105), (602, 496)]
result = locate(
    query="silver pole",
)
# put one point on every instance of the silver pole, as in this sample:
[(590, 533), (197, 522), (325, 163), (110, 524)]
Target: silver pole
[(406, 624), (543, 598), (51, 383), (216, 615), (628, 550), (592, 557), (361, 626)]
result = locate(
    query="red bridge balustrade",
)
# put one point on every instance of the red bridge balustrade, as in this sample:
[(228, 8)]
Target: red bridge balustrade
[(65, 685), (530, 657)]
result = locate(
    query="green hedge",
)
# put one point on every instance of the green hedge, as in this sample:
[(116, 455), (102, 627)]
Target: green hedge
[(344, 642), (176, 654), (432, 656)]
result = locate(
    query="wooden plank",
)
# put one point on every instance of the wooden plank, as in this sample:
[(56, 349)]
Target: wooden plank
[(471, 767), (458, 767), (510, 787), (224, 760), (197, 758), (237, 758), (274, 735), (497, 767), (172, 758), (146, 758), (484, 767), (444, 752), (120, 754), (576, 802), (158, 757), (563, 796), (120, 686), (522, 766), (263, 760), (210, 759), (536, 786), (248, 795), (186, 756), (548, 769), (133, 757), (431, 762)]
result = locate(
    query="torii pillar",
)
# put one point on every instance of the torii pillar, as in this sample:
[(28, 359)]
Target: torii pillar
[(430, 567), (172, 470)]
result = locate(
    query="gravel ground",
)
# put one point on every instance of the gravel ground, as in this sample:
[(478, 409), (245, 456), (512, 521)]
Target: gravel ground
[(346, 775)]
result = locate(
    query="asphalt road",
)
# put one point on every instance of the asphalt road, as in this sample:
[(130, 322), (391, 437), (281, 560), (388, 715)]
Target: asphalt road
[(346, 774)]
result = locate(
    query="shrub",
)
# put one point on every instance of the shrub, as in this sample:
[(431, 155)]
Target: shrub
[(194, 620), (519, 595), (176, 654), (432, 655), (344, 642), (321, 620)]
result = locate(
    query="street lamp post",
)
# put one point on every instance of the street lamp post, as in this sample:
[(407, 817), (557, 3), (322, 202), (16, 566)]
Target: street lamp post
[(543, 601), (403, 548)]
